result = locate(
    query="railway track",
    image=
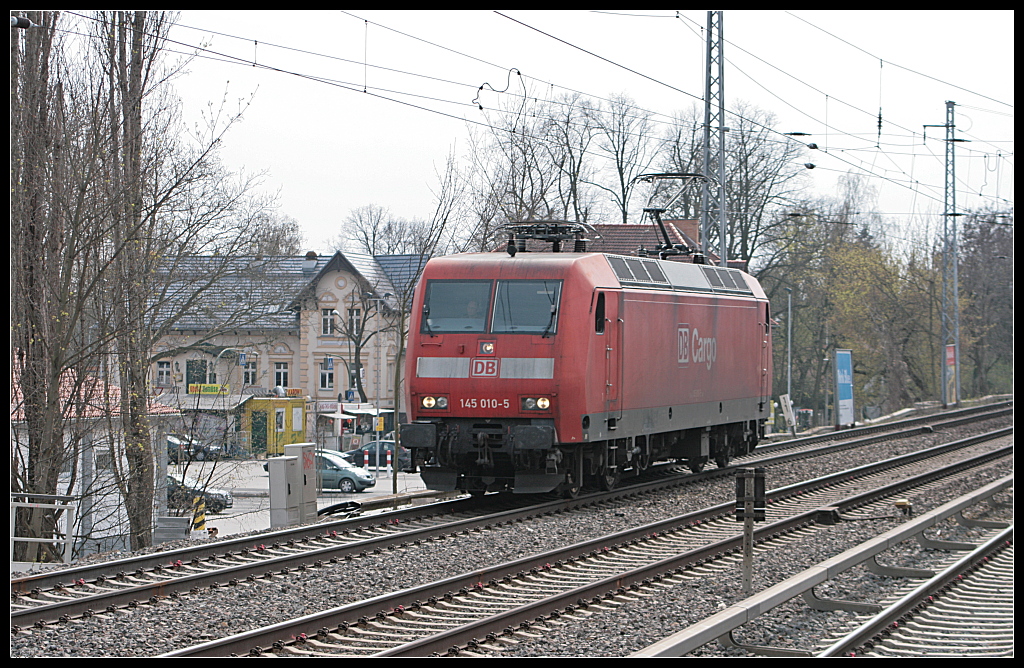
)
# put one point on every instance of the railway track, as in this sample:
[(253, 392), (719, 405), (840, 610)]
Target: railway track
[(85, 591), (870, 600), (472, 521), (964, 611), (481, 611)]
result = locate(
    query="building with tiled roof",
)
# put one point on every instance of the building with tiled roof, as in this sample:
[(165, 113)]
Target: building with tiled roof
[(284, 329)]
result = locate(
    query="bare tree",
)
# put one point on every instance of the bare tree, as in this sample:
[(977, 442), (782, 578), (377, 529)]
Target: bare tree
[(763, 178), (279, 234), (50, 276), (512, 174), (569, 133), (986, 284), (625, 138), (374, 230), (108, 198), (445, 217)]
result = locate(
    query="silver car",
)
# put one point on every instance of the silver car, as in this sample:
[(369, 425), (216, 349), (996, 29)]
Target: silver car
[(337, 473)]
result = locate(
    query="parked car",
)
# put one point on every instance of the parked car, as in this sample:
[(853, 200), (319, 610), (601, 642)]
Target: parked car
[(186, 448), (181, 490), (338, 473), (359, 455)]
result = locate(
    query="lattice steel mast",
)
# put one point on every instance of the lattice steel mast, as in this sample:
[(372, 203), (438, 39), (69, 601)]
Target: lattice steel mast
[(713, 166)]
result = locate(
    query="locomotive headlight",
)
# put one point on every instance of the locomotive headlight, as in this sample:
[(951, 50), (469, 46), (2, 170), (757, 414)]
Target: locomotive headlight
[(543, 403), (530, 403), (434, 402), (535, 403)]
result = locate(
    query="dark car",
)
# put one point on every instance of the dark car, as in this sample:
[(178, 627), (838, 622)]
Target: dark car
[(186, 449), (338, 473), (368, 452), (182, 490)]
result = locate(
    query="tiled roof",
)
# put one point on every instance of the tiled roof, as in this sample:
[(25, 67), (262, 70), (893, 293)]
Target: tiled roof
[(402, 270), (628, 239), (265, 293), (367, 266), (93, 398), (205, 292)]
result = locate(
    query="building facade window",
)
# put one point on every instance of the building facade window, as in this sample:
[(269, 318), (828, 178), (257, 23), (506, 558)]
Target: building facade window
[(354, 321), (280, 374), (163, 374), (251, 371), (327, 321), (327, 374)]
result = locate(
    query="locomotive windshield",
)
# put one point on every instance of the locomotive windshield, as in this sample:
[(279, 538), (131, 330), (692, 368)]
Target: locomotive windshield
[(526, 307), (520, 307), (456, 306)]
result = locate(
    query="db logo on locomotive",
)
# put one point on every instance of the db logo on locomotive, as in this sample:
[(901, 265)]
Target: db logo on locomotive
[(690, 347), (484, 368)]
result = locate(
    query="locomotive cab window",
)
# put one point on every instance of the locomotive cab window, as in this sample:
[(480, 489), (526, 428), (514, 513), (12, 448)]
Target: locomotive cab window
[(456, 306), (526, 307)]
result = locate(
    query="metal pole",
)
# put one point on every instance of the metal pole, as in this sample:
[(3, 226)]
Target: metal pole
[(954, 252), (950, 315), (789, 343), (713, 195), (722, 217)]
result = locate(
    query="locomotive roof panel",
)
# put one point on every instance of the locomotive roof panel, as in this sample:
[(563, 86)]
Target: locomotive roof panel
[(656, 274)]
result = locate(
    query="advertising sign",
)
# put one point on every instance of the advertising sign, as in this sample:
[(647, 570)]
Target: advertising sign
[(207, 388), (844, 387)]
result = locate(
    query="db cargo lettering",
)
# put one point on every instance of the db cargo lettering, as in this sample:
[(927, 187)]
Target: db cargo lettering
[(704, 351), (691, 347)]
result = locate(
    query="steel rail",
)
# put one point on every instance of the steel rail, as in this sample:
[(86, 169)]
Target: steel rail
[(177, 580), (875, 628), (232, 547), (387, 604), (722, 624)]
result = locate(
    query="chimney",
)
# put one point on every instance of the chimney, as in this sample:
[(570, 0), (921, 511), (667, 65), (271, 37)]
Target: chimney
[(309, 262), (689, 228)]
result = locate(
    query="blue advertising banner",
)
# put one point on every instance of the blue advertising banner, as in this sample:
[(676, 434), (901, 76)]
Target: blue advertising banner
[(844, 387)]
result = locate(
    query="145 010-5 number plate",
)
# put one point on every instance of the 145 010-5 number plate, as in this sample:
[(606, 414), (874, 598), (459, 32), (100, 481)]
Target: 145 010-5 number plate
[(485, 403)]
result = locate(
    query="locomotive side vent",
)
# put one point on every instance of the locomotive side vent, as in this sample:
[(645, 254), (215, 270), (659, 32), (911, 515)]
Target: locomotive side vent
[(636, 270), (726, 280)]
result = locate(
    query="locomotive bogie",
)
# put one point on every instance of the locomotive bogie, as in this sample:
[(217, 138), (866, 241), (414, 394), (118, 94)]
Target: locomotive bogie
[(544, 372)]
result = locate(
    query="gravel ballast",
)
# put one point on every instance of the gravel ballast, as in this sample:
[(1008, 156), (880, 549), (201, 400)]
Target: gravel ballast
[(151, 630)]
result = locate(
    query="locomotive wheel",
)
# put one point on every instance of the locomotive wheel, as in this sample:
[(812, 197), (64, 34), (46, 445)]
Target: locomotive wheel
[(608, 481), (573, 484), (722, 459), (697, 464)]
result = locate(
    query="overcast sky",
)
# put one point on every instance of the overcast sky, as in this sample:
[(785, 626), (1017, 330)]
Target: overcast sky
[(329, 147)]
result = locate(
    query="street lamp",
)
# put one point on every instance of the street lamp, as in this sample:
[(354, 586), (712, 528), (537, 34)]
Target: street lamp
[(380, 376), (216, 363)]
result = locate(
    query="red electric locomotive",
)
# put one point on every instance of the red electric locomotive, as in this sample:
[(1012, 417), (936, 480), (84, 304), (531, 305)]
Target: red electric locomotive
[(536, 372)]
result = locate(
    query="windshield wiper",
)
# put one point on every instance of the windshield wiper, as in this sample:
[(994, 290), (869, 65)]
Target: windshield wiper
[(551, 322)]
